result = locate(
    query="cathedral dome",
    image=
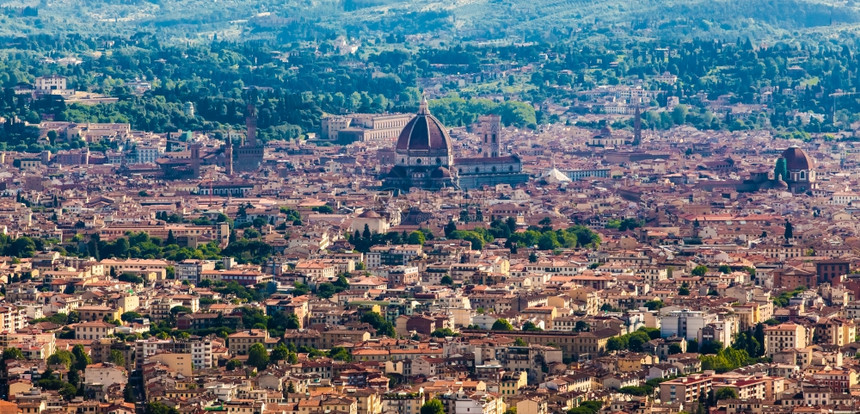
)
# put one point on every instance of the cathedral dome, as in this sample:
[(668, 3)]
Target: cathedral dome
[(441, 172), (424, 136), (796, 159)]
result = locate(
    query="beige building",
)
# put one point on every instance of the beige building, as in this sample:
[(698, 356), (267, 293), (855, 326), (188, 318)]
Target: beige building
[(368, 401), (403, 402), (98, 313), (374, 222), (839, 331), (240, 342), (532, 406), (784, 336), (105, 374), (685, 389), (180, 363), (94, 330)]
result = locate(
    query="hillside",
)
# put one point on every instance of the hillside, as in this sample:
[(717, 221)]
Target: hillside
[(480, 20)]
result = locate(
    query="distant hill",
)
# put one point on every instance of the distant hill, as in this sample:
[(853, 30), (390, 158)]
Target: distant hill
[(509, 20)]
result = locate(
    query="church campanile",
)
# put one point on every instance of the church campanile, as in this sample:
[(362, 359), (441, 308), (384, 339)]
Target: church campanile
[(491, 131)]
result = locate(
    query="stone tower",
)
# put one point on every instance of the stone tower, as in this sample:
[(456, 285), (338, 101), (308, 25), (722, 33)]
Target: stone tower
[(491, 131)]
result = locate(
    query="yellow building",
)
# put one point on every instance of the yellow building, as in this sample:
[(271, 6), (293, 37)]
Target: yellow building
[(634, 362), (532, 406), (94, 330), (180, 363), (369, 401), (98, 313), (511, 382), (403, 402), (839, 331)]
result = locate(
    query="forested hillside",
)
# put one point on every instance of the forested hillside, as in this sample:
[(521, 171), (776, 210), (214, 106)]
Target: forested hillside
[(508, 20)]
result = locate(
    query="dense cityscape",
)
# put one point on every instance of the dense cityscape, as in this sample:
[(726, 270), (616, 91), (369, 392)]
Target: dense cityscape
[(277, 215)]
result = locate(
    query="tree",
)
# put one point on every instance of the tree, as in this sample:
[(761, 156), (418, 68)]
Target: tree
[(502, 325), (156, 407), (325, 290), (280, 352), (339, 354), (233, 364), (692, 346), (176, 310), (258, 357), (128, 316), (675, 349), (581, 326), (710, 347), (128, 394), (637, 340), (130, 278), (637, 391), (699, 270), (446, 280), (789, 231), (82, 359), (12, 353), (292, 322), (379, 323), (726, 393), (587, 407), (530, 326), (433, 406), (117, 358), (443, 332), (416, 237), (61, 357), (450, 228)]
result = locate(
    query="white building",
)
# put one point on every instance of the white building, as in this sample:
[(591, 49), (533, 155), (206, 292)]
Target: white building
[(479, 403), (105, 375), (684, 323), (147, 154), (190, 269)]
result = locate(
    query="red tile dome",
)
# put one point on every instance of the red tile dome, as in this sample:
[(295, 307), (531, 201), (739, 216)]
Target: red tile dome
[(796, 159), (424, 136)]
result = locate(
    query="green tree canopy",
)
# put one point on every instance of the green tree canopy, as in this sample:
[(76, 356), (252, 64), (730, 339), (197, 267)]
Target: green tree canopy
[(433, 406), (502, 325), (258, 357)]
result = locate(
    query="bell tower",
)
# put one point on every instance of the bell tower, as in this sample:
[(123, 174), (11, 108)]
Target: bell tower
[(491, 129)]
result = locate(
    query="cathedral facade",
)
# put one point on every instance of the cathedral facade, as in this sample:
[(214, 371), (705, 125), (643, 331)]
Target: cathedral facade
[(424, 158)]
